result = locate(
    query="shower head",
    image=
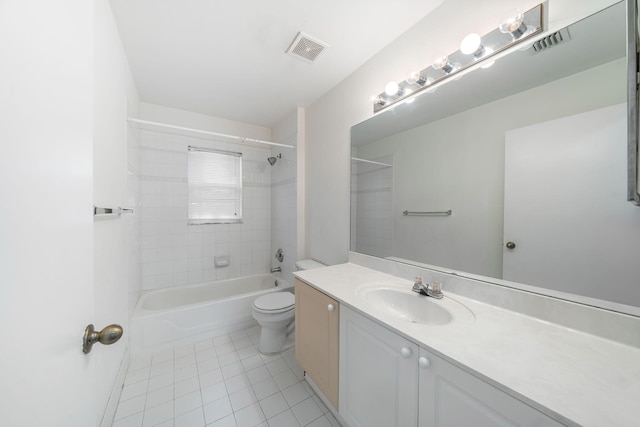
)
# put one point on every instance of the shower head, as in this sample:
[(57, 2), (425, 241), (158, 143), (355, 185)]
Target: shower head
[(272, 160)]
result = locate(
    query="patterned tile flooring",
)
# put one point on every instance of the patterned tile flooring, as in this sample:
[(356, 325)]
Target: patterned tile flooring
[(220, 382)]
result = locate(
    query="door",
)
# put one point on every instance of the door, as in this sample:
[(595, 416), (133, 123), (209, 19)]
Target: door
[(317, 328), (378, 374), (46, 224), (591, 149), (451, 397)]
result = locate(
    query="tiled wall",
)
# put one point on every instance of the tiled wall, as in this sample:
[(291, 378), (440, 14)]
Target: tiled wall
[(174, 253)]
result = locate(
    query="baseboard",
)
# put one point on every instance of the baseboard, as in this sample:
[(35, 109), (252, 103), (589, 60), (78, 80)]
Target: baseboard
[(116, 392)]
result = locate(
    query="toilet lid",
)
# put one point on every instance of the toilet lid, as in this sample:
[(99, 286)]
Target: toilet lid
[(275, 301)]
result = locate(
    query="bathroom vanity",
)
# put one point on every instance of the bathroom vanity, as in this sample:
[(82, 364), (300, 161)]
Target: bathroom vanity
[(485, 365)]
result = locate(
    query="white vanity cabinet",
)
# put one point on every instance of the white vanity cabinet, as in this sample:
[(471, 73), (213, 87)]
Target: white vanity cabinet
[(387, 380), (451, 397), (378, 374)]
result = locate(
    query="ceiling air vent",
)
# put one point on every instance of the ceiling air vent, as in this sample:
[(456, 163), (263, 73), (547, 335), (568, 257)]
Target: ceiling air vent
[(305, 48), (551, 40)]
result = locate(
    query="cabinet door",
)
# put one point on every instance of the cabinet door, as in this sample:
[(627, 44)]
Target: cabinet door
[(378, 374), (451, 397), (317, 328)]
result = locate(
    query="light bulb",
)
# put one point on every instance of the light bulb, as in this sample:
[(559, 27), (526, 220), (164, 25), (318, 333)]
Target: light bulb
[(415, 78), (443, 64), (392, 89), (512, 22), (472, 45)]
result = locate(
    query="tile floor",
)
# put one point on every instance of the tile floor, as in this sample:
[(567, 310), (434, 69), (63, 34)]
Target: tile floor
[(220, 382)]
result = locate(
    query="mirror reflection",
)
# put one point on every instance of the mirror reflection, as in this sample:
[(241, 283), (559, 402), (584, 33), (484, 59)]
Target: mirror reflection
[(529, 156)]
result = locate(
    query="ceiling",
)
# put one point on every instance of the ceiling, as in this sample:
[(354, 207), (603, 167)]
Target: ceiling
[(227, 58)]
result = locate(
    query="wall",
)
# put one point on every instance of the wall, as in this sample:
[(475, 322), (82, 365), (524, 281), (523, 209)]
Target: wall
[(114, 96), (329, 119)]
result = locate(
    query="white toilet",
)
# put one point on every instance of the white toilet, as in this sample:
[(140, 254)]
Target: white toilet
[(275, 313)]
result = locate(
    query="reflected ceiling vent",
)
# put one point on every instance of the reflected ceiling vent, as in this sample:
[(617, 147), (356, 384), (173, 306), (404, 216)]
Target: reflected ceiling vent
[(306, 48), (551, 40)]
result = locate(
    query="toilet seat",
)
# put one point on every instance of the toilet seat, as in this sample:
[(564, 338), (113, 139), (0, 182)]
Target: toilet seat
[(276, 302)]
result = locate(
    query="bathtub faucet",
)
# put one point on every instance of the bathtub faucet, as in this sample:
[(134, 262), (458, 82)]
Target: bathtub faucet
[(276, 269)]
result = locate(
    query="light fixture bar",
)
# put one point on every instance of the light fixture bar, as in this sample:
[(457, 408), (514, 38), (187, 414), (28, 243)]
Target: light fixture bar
[(512, 31)]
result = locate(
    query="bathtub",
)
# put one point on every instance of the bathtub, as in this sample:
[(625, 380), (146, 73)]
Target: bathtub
[(170, 317)]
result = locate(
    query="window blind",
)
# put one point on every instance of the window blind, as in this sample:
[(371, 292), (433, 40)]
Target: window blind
[(215, 186)]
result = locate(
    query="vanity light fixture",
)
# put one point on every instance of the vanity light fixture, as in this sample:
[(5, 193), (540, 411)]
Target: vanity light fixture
[(444, 64), (378, 100), (393, 89), (416, 78), (475, 49), (472, 45), (512, 23)]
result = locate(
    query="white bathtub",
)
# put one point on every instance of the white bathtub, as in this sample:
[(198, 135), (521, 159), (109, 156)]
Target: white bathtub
[(165, 318)]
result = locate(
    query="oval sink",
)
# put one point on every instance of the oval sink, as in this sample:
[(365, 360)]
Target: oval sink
[(402, 303)]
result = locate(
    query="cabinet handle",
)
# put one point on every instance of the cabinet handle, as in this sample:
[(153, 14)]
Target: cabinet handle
[(424, 362), (405, 352), (331, 307)]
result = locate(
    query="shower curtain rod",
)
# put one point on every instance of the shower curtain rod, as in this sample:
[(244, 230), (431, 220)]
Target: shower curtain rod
[(373, 162), (206, 132)]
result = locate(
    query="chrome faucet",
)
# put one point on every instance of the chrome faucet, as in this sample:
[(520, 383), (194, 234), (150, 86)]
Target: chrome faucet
[(276, 269), (435, 291)]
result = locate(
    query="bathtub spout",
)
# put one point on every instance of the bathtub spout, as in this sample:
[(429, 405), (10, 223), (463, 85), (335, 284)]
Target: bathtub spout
[(276, 269)]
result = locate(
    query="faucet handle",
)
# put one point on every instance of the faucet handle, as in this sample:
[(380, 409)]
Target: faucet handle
[(417, 285), (436, 286), (436, 290)]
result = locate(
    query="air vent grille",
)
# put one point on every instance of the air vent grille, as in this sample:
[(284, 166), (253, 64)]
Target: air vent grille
[(305, 48), (551, 40)]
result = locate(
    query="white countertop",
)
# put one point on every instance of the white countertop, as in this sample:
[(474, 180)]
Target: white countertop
[(574, 377)]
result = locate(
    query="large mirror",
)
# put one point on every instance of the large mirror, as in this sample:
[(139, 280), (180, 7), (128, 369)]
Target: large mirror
[(515, 174)]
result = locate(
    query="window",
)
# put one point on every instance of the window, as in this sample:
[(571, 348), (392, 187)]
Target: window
[(215, 186)]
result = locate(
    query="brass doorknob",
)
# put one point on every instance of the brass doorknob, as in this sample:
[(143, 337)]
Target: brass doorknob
[(510, 245), (108, 335)]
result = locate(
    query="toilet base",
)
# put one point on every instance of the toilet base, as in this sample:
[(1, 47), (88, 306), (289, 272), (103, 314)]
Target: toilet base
[(273, 340)]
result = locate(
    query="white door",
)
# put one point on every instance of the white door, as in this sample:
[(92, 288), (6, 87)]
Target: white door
[(566, 210), (46, 224), (451, 397), (378, 374)]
